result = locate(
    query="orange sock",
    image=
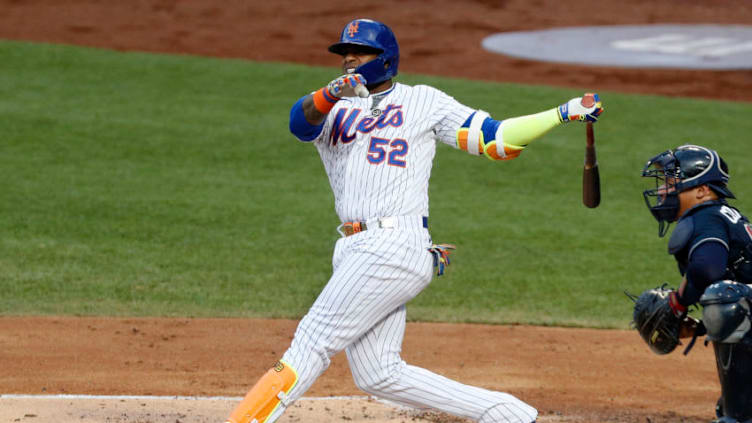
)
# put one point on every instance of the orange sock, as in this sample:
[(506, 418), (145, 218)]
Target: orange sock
[(264, 397)]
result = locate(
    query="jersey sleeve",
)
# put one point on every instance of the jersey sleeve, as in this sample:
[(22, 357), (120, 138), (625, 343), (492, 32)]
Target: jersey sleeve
[(299, 125), (450, 114)]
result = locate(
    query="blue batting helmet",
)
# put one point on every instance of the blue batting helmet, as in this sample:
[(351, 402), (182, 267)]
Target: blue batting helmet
[(374, 36)]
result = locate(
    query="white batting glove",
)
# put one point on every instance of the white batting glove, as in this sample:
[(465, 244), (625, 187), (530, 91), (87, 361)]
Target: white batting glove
[(584, 109), (349, 85)]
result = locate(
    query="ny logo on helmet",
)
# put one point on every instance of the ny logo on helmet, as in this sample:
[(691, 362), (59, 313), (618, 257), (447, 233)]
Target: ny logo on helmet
[(352, 29)]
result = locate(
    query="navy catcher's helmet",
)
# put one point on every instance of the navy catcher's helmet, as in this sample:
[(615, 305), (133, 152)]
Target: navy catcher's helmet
[(376, 36), (678, 170)]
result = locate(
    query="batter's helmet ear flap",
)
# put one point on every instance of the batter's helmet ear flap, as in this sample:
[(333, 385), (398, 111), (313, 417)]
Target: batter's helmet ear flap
[(374, 35)]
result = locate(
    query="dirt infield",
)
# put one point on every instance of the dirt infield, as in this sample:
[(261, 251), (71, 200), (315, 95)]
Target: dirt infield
[(582, 375), (568, 374)]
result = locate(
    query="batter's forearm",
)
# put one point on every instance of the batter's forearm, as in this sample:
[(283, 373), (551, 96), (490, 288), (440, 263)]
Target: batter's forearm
[(307, 116), (300, 124), (316, 106), (504, 140), (311, 113), (521, 131)]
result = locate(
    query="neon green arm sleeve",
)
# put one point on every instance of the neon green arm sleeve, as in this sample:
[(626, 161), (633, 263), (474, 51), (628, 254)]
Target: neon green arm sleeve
[(521, 131)]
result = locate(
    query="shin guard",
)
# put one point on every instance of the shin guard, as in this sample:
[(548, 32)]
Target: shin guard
[(269, 393), (734, 362)]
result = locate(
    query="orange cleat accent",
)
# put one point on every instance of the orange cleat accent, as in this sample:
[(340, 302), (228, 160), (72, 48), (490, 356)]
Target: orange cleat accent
[(266, 395)]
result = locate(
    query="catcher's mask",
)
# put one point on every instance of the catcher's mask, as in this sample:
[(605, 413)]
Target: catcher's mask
[(678, 170), (372, 36)]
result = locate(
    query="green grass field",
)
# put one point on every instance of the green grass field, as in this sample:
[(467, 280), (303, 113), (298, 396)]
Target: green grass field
[(152, 185)]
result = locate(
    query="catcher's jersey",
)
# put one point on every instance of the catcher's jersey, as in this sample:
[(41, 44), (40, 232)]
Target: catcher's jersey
[(378, 151), (715, 221)]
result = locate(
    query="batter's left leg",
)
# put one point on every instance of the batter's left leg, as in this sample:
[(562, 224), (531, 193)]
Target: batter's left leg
[(378, 369), (267, 396), (366, 285)]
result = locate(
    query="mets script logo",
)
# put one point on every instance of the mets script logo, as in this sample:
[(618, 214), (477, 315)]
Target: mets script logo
[(342, 128), (352, 29)]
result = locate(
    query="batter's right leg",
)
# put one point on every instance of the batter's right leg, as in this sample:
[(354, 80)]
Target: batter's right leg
[(378, 369)]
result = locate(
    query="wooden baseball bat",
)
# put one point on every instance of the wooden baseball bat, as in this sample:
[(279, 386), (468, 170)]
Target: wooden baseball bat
[(591, 181)]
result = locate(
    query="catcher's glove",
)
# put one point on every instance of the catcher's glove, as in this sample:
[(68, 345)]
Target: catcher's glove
[(654, 319), (660, 324)]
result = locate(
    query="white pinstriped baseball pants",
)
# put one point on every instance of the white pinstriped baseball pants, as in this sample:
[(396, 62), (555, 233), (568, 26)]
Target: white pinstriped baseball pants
[(362, 310)]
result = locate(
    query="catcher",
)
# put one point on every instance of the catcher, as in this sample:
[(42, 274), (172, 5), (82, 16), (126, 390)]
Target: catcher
[(712, 244)]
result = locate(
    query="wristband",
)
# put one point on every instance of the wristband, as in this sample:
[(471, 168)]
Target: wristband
[(323, 100), (677, 307)]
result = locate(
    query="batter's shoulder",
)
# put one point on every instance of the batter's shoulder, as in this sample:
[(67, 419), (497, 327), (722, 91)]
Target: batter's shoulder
[(426, 90)]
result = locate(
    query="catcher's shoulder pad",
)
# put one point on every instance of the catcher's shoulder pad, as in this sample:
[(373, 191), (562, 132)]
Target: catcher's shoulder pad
[(681, 235)]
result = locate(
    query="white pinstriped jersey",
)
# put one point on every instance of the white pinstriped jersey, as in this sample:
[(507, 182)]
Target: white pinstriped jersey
[(379, 165), (378, 151)]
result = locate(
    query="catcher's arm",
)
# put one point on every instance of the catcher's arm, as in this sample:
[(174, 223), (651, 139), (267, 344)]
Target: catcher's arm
[(689, 326), (688, 323), (659, 324), (682, 286)]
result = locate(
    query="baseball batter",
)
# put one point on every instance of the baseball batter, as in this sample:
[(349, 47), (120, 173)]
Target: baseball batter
[(377, 140)]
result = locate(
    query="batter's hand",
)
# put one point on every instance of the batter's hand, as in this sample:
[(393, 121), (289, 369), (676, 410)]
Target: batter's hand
[(348, 85), (440, 254), (584, 109)]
